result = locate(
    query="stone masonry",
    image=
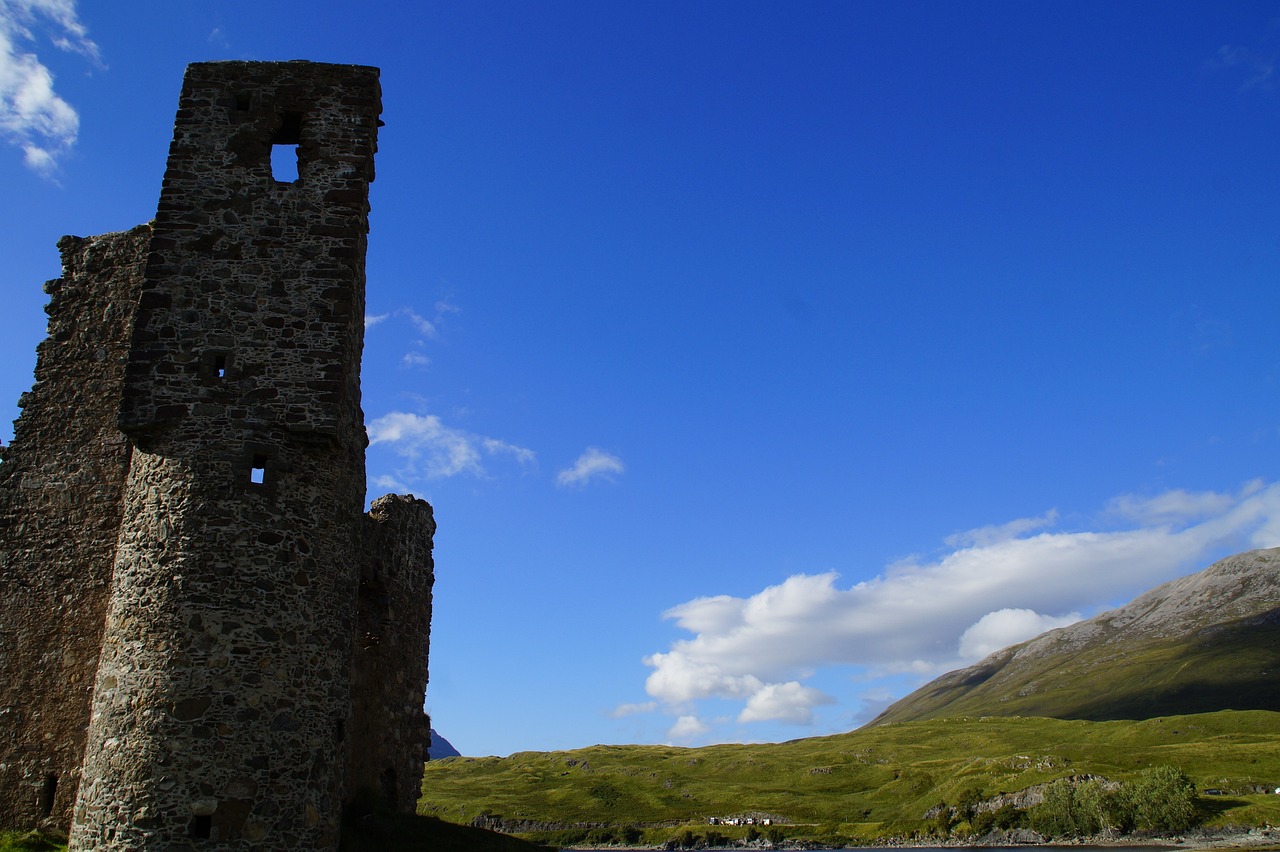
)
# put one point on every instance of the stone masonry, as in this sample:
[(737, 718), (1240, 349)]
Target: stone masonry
[(204, 641)]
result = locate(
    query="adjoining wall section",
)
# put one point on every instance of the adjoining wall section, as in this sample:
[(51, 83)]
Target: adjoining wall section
[(390, 733), (60, 491)]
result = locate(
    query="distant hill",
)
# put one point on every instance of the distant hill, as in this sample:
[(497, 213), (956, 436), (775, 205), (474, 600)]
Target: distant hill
[(440, 747), (1206, 642)]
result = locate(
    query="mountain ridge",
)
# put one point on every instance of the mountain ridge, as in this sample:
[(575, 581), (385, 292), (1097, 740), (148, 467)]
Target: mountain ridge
[(1204, 642)]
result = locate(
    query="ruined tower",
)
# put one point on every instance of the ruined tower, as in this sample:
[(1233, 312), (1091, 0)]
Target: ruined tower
[(238, 592)]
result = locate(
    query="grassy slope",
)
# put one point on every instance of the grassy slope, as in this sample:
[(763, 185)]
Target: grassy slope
[(1234, 665), (869, 778)]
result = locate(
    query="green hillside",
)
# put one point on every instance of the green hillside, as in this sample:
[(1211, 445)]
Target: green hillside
[(872, 782), (1235, 666)]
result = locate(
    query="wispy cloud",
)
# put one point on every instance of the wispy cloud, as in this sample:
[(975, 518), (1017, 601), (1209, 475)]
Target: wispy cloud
[(430, 449), (218, 38), (1000, 532), (426, 328), (33, 116), (594, 463), (999, 586), (1259, 68), (623, 710)]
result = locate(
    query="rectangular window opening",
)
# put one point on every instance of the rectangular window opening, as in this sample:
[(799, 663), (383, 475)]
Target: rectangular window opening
[(284, 163), (285, 148), (219, 366), (258, 470), (242, 101)]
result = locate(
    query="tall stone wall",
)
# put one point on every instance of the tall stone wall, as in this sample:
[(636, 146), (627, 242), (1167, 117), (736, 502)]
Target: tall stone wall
[(223, 691), (60, 497), (390, 734)]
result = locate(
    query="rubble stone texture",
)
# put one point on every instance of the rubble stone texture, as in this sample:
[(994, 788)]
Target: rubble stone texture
[(187, 568)]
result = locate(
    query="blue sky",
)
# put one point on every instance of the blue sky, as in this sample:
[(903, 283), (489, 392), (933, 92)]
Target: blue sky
[(761, 360)]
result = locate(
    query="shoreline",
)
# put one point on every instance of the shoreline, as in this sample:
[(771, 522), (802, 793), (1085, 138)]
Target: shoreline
[(1247, 840)]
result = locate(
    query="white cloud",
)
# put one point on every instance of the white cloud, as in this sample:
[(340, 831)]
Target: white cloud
[(924, 617), (433, 450), (370, 320), (33, 116), (593, 463), (1006, 627), (414, 359), (687, 728), (784, 702)]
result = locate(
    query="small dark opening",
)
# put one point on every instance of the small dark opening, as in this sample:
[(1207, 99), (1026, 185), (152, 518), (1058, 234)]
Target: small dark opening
[(200, 827), (340, 731), (219, 366), (48, 790), (290, 132), (387, 780), (258, 470), (242, 101)]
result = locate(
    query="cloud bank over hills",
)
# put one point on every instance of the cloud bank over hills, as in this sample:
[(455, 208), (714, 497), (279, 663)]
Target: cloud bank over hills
[(998, 586)]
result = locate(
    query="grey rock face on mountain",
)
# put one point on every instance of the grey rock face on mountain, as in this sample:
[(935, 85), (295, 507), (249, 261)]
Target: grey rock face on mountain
[(1208, 641)]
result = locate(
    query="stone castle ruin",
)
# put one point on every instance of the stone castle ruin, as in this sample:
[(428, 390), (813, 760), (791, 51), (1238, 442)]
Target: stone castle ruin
[(204, 640)]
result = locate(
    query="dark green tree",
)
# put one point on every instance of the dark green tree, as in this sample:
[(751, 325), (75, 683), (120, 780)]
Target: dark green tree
[(1162, 799)]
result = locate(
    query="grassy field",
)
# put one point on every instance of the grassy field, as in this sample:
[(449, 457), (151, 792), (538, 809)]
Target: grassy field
[(863, 784), (851, 787)]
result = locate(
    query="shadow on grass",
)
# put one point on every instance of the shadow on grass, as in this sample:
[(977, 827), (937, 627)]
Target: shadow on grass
[(376, 832), (1208, 807)]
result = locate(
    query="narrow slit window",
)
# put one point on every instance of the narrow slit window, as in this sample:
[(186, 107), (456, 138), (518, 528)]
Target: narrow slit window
[(48, 793), (258, 470), (219, 366)]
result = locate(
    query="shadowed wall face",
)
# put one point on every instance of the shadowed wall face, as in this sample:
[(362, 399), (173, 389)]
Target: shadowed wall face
[(390, 733), (60, 490), (223, 690)]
